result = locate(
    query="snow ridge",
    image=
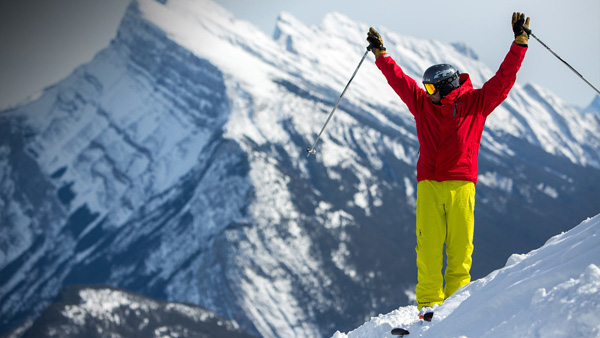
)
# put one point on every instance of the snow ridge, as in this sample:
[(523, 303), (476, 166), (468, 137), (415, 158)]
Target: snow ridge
[(553, 291)]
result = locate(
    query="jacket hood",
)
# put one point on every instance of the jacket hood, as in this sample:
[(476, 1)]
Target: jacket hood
[(465, 86)]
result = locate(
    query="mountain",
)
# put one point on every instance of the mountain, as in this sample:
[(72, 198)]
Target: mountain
[(552, 291), (593, 107), (100, 311), (173, 165), (563, 271)]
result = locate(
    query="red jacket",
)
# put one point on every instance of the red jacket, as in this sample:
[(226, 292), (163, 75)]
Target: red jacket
[(449, 134)]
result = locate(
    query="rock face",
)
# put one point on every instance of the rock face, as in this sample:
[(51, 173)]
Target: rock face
[(173, 165)]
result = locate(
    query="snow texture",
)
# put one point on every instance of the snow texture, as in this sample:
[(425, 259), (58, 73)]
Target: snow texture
[(553, 291), (173, 165)]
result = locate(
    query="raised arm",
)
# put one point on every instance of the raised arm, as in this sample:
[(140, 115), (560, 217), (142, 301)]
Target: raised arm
[(496, 89), (406, 87)]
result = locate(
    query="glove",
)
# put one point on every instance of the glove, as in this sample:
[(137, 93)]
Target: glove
[(376, 43), (518, 21)]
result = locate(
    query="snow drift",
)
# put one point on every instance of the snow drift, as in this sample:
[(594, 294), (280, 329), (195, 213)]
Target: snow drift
[(553, 291)]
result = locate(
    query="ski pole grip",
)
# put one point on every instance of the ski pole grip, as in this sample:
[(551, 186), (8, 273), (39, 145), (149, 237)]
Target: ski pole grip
[(374, 42), (527, 30)]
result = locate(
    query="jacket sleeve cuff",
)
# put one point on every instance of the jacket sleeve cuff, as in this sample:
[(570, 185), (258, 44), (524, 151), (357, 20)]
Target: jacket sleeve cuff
[(518, 48), (381, 60)]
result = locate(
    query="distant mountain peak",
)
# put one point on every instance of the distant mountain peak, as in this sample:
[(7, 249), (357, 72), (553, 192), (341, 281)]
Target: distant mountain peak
[(593, 107), (287, 29), (465, 50)]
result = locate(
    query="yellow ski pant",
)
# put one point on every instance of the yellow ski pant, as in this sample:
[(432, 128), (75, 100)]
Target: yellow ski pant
[(444, 216)]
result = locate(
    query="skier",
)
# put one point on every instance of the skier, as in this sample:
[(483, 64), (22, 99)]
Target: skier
[(450, 115)]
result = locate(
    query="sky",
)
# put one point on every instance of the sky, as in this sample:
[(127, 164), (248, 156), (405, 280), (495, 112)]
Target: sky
[(43, 41)]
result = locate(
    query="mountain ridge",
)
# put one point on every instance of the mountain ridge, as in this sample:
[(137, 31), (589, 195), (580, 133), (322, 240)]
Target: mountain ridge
[(100, 311), (173, 165)]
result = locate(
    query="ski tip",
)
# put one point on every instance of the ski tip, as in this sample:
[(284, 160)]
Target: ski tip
[(428, 316), (400, 332)]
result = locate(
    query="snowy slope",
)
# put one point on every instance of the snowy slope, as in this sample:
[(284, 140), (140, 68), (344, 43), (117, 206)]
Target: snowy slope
[(301, 54), (553, 291), (173, 165)]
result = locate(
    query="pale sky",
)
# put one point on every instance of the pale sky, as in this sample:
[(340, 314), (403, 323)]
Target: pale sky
[(43, 41)]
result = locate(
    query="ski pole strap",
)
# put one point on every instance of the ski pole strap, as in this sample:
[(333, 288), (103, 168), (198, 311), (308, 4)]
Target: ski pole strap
[(528, 31)]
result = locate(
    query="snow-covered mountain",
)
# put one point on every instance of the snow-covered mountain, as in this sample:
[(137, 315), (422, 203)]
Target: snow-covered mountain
[(593, 107), (553, 291), (173, 165), (100, 311)]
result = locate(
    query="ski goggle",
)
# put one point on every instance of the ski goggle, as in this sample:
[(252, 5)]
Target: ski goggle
[(430, 88)]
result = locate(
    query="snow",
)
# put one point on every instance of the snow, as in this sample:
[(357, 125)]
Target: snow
[(553, 291), (100, 304), (298, 53), (496, 181), (332, 219), (127, 140), (548, 190)]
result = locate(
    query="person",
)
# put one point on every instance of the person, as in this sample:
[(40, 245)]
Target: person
[(450, 115)]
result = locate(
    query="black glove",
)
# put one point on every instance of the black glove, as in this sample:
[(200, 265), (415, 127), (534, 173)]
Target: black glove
[(376, 43), (518, 21)]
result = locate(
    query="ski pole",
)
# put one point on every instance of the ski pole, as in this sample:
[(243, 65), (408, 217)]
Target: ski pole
[(528, 31), (311, 150)]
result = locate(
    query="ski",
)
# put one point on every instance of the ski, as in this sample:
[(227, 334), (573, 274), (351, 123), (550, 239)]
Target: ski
[(400, 332)]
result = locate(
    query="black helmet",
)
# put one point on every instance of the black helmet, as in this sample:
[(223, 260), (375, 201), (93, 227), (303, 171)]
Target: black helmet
[(444, 77)]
